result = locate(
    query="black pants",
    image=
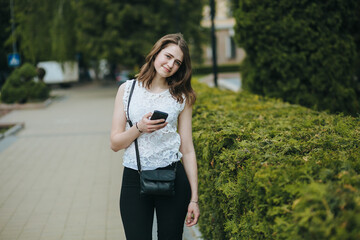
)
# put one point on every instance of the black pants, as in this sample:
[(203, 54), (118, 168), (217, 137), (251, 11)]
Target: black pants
[(137, 212)]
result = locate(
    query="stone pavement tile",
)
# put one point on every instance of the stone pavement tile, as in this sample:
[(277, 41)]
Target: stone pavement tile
[(56, 221), (9, 234), (114, 234), (95, 233), (30, 234), (76, 218), (74, 232), (51, 234), (15, 223)]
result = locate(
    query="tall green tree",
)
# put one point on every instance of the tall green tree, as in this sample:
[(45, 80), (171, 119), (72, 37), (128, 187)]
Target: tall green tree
[(303, 51), (119, 31), (124, 31), (62, 32), (33, 24), (90, 25), (44, 30)]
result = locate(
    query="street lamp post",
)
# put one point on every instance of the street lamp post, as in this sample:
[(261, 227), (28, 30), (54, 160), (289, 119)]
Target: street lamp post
[(177, 17), (213, 41), (13, 26)]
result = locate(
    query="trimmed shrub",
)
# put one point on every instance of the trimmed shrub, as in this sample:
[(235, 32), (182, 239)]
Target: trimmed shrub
[(199, 70), (272, 170), (302, 51), (20, 86)]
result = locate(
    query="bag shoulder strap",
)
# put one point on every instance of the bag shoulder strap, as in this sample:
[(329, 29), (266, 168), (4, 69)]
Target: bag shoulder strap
[(131, 124), (128, 105)]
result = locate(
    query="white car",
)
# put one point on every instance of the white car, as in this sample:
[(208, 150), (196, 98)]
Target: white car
[(60, 73)]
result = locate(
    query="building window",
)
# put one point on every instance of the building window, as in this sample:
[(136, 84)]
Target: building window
[(209, 53), (230, 48)]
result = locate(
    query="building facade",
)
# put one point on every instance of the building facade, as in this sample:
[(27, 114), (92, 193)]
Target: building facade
[(227, 51)]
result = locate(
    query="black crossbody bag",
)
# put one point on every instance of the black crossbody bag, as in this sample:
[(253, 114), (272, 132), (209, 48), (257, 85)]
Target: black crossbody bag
[(160, 181)]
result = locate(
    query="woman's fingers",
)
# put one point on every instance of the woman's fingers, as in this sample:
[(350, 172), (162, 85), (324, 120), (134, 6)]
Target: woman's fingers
[(149, 126), (148, 115), (158, 121), (192, 215), (155, 127)]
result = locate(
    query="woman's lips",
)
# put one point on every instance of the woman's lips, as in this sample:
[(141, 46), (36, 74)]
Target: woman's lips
[(166, 69)]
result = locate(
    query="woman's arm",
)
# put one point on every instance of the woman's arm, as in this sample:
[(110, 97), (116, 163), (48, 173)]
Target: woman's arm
[(120, 138), (189, 161)]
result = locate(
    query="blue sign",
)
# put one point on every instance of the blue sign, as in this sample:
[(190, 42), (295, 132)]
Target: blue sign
[(14, 60)]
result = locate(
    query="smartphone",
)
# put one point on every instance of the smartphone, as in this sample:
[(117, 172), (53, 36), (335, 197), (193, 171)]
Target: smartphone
[(159, 115)]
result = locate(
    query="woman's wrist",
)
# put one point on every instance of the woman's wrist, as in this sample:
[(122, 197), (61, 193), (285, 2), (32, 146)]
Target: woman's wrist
[(138, 128), (193, 201), (194, 197)]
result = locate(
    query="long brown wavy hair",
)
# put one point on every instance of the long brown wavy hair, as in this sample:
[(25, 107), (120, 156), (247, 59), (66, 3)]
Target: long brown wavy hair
[(180, 82)]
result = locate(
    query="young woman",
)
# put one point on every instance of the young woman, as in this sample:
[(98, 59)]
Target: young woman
[(164, 83)]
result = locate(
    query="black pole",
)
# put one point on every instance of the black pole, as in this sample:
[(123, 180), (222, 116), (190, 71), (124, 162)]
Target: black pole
[(13, 26), (177, 17), (213, 41)]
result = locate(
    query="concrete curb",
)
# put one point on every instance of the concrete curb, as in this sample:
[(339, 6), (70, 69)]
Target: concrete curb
[(228, 81), (14, 129), (18, 106)]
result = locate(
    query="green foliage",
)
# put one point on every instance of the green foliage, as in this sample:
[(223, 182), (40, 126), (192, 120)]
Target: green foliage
[(221, 68), (62, 32), (33, 24), (90, 25), (44, 30), (126, 30), (272, 170), (119, 31), (302, 51), (20, 86)]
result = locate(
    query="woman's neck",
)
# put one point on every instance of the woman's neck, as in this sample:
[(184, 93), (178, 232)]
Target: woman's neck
[(158, 85)]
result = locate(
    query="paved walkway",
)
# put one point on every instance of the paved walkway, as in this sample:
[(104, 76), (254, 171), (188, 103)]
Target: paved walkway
[(229, 81), (58, 177)]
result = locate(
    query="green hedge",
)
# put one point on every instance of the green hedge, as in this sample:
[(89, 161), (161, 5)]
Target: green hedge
[(305, 52), (20, 86), (272, 170), (206, 69)]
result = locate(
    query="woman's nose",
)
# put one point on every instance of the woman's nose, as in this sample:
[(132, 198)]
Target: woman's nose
[(171, 63)]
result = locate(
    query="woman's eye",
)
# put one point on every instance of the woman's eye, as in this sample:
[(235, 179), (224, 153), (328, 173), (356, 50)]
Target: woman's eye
[(168, 56), (177, 63)]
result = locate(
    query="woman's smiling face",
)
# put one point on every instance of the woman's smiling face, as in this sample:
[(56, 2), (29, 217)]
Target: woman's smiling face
[(168, 61)]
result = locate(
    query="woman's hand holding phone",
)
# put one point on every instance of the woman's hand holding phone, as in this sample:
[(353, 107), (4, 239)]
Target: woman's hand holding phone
[(146, 125)]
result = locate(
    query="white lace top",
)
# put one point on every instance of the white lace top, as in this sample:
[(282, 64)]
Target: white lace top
[(159, 148)]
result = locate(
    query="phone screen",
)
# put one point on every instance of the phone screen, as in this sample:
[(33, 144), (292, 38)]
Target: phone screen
[(159, 115)]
